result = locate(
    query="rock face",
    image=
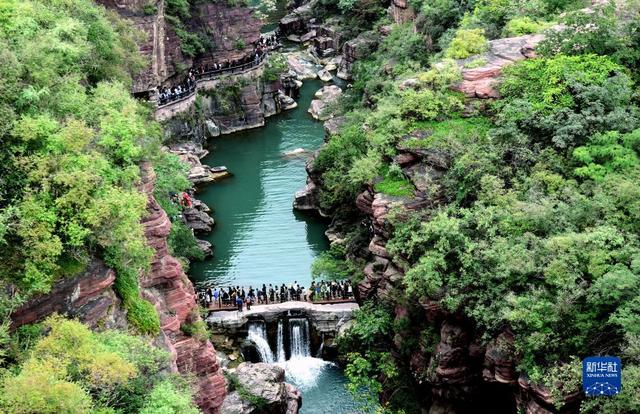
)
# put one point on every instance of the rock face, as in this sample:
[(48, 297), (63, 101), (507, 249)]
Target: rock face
[(161, 45), (401, 12), (482, 82), (328, 95), (264, 381), (228, 26), (307, 198), (88, 297), (228, 105), (356, 49), (168, 288)]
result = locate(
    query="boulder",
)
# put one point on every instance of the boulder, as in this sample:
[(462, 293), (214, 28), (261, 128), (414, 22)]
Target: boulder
[(199, 221), (330, 67), (324, 75), (326, 96), (206, 247), (332, 126), (295, 152), (303, 68), (308, 36), (306, 199), (287, 102), (266, 382)]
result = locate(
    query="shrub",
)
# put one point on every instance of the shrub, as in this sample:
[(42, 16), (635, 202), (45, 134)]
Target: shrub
[(519, 26), (197, 329), (556, 100), (451, 134), (583, 33), (149, 9), (171, 396), (467, 42), (394, 183), (276, 65)]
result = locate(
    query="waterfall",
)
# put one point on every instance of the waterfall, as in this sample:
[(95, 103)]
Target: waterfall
[(280, 350), (299, 337), (258, 335), (319, 353)]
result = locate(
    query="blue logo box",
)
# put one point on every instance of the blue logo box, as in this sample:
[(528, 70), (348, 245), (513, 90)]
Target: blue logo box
[(601, 376)]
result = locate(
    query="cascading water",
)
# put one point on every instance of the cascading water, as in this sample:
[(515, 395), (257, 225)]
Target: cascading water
[(299, 337), (258, 335), (319, 353), (280, 350), (319, 380)]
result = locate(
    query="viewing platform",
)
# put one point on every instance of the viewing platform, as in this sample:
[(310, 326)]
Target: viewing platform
[(327, 316)]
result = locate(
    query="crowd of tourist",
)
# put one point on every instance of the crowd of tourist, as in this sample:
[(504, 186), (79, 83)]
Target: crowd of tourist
[(238, 296), (261, 46)]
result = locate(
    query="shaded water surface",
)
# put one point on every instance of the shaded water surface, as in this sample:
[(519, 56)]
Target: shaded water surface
[(258, 238)]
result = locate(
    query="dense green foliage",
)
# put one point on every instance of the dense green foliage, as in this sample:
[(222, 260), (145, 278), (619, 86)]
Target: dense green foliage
[(72, 140), (73, 370), (179, 14), (533, 227)]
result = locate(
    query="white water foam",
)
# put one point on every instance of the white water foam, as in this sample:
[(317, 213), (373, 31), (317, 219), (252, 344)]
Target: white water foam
[(258, 335), (304, 372)]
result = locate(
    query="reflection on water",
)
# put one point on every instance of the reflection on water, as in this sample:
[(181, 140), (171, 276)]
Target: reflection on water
[(258, 238)]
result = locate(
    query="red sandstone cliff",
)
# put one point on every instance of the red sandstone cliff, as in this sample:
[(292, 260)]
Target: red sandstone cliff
[(90, 298), (168, 288)]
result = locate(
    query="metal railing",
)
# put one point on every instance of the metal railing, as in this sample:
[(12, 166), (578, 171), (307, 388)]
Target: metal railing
[(210, 75)]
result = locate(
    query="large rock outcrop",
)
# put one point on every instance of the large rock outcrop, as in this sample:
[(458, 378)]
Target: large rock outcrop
[(160, 44), (228, 105), (356, 49), (482, 82), (88, 297), (91, 298), (265, 382)]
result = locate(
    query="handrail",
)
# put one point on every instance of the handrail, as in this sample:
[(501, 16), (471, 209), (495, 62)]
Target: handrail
[(209, 75)]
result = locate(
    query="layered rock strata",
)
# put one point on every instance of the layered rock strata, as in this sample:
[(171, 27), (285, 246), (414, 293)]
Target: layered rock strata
[(169, 289), (232, 30)]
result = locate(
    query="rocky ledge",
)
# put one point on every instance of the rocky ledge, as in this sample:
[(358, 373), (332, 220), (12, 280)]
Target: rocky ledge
[(260, 389), (199, 174)]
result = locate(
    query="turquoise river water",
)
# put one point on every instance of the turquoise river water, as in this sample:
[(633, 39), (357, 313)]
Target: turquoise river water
[(258, 238)]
